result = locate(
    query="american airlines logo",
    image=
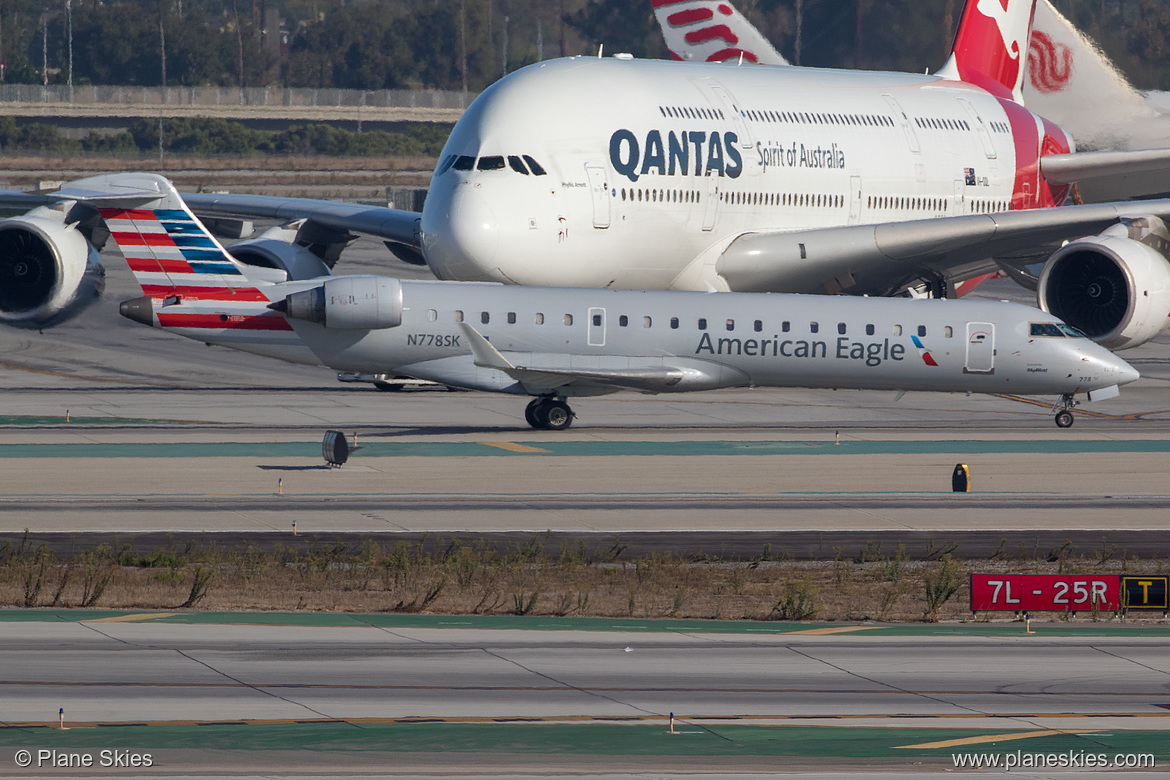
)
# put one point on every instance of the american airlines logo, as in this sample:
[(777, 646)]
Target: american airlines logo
[(685, 153)]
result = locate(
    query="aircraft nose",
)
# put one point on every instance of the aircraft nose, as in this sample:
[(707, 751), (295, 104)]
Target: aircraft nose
[(1125, 372), (461, 235)]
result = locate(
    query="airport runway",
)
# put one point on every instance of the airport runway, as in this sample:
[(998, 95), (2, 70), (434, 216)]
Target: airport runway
[(160, 680)]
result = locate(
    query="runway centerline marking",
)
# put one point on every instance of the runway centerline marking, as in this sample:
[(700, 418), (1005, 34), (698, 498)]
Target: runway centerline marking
[(991, 738), (512, 446), (131, 618)]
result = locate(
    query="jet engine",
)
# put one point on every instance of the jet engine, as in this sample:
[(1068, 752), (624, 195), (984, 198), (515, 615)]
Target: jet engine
[(1113, 287), (348, 303), (49, 271), (279, 248)]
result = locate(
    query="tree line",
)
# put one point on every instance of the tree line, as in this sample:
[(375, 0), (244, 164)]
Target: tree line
[(206, 137), (468, 44)]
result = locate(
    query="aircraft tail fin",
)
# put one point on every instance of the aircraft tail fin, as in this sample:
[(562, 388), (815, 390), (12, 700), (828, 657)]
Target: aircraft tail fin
[(172, 255), (990, 48), (711, 31)]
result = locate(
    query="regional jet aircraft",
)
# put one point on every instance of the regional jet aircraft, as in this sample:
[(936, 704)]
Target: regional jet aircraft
[(555, 343)]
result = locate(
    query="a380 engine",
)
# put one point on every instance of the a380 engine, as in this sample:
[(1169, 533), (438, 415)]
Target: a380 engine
[(1113, 287), (49, 270)]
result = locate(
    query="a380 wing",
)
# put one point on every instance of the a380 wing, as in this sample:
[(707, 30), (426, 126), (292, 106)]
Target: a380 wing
[(886, 258), (392, 225)]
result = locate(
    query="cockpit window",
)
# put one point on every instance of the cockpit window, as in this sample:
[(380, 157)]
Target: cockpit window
[(464, 163), (517, 164), (1070, 331), (534, 166), (495, 163), (447, 163), (1046, 329)]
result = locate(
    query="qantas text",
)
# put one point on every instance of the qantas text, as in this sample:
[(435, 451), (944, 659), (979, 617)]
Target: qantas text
[(693, 153)]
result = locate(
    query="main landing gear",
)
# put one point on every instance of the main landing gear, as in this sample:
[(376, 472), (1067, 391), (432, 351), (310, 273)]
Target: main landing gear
[(1064, 415), (549, 413)]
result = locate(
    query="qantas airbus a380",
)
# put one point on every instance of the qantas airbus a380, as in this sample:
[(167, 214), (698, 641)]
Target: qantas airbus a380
[(688, 175)]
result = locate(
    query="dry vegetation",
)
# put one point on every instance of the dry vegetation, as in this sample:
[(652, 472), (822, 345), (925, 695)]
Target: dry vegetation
[(455, 577)]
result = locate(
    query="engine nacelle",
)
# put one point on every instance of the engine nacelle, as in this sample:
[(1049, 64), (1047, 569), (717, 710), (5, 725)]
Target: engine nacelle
[(49, 272), (296, 262), (349, 303), (1113, 287)]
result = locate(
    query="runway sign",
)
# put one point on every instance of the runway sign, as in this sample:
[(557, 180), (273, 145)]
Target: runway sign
[(1047, 592)]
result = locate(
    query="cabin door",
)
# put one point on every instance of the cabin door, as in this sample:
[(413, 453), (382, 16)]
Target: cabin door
[(854, 200), (596, 327), (980, 348), (599, 189), (711, 210)]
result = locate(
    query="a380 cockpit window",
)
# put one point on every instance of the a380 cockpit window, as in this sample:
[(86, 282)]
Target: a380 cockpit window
[(1048, 329), (534, 166), (464, 163), (494, 163), (448, 161), (517, 164)]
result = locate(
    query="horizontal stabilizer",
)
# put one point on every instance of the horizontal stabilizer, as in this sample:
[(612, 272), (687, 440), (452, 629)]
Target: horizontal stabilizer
[(1070, 168)]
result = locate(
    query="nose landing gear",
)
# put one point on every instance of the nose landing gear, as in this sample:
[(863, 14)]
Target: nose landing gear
[(549, 413), (1064, 417)]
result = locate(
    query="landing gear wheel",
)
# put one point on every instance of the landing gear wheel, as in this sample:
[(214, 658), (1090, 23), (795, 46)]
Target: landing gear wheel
[(1064, 419), (530, 412), (556, 415)]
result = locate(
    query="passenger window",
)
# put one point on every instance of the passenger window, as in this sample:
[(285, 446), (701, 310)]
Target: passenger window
[(841, 328), (568, 319), (674, 323), (494, 163), (534, 166), (517, 164), (484, 317), (731, 324), (921, 331), (758, 325), (538, 318), (464, 163), (785, 326), (869, 330), (702, 323), (646, 322), (623, 321), (814, 327), (511, 318), (597, 320), (948, 332), (459, 315), (432, 315), (897, 330)]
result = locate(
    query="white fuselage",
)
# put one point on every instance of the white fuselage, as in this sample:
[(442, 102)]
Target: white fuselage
[(709, 340), (652, 168)]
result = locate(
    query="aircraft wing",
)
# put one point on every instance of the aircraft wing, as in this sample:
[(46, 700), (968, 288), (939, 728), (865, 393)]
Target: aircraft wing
[(545, 379), (398, 228), (886, 258)]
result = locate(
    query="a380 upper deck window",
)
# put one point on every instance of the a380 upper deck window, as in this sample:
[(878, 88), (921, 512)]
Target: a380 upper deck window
[(494, 163)]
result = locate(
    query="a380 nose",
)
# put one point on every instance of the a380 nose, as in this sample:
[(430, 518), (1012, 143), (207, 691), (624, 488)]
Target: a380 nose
[(460, 234)]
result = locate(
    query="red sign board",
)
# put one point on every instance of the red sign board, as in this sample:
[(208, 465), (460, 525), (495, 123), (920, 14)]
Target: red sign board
[(1045, 592)]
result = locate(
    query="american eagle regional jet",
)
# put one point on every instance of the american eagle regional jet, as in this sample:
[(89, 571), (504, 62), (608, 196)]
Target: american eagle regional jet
[(626, 173)]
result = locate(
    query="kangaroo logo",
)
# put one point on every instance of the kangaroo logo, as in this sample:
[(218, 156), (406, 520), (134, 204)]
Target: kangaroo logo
[(997, 11)]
